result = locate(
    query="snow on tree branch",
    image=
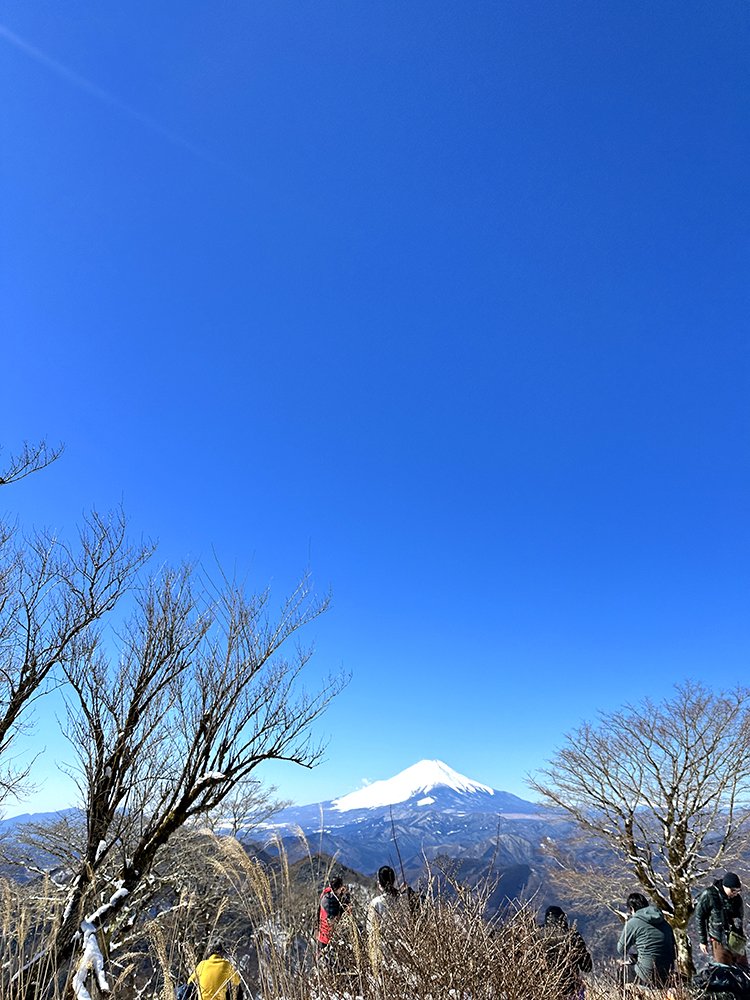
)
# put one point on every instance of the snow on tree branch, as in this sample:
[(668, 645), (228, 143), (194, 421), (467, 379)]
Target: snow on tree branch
[(91, 961)]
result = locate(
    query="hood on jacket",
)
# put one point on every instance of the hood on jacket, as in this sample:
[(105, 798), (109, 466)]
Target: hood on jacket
[(650, 915)]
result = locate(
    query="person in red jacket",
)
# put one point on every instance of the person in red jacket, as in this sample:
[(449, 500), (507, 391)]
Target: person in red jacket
[(334, 901)]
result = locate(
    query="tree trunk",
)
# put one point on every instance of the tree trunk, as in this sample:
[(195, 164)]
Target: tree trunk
[(685, 965)]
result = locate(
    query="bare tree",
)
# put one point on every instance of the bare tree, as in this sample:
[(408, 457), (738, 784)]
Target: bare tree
[(31, 458), (168, 716), (52, 594), (664, 788), (166, 723), (249, 804), (190, 891)]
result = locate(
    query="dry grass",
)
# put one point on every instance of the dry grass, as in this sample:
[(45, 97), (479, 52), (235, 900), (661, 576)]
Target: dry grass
[(444, 948)]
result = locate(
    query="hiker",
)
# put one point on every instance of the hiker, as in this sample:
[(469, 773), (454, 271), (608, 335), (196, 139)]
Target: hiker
[(334, 901), (719, 915), (646, 944), (566, 954), (385, 901), (379, 913), (215, 976)]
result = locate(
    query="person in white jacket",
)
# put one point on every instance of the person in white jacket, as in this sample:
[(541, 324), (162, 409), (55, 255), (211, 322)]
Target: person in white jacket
[(380, 914), (381, 905)]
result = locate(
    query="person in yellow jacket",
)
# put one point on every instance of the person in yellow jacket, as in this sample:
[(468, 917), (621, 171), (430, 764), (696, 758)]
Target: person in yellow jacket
[(215, 975)]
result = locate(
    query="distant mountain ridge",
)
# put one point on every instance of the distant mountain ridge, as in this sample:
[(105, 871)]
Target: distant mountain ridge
[(428, 786), (425, 812)]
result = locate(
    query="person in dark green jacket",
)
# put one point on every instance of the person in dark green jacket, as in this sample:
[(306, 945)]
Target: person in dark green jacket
[(646, 944)]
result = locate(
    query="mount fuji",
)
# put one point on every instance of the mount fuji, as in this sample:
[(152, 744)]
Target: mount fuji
[(428, 787), (430, 784), (421, 782), (424, 812)]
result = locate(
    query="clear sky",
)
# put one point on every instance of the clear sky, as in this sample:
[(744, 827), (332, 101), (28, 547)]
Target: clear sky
[(447, 301)]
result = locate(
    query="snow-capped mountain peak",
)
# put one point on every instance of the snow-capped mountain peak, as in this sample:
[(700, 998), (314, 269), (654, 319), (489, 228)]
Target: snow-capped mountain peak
[(419, 779)]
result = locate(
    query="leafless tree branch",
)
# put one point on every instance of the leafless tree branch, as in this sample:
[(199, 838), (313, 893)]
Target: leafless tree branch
[(196, 696), (665, 788), (31, 458)]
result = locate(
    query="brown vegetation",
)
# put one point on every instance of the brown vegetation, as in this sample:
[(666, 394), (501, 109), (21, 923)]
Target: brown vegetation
[(446, 947)]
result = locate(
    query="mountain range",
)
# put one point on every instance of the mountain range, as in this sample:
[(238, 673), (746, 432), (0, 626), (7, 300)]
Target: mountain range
[(426, 813), (426, 820), (427, 816), (429, 786)]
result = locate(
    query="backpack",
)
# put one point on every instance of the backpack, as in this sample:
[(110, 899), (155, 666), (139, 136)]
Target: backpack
[(722, 982)]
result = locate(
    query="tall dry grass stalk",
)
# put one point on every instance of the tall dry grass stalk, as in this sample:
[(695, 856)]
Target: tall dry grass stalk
[(27, 915)]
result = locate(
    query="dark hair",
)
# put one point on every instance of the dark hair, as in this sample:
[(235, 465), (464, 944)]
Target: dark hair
[(636, 901), (387, 880), (337, 882), (216, 946), (555, 915)]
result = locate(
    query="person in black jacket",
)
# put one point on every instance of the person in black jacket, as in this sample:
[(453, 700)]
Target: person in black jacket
[(566, 954), (719, 917)]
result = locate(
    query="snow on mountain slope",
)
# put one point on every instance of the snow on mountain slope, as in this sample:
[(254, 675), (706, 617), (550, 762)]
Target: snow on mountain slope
[(419, 779)]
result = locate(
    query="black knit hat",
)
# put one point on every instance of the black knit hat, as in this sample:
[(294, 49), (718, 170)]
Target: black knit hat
[(555, 915), (731, 881)]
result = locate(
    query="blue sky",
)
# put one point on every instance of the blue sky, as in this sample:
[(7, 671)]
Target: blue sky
[(446, 301)]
